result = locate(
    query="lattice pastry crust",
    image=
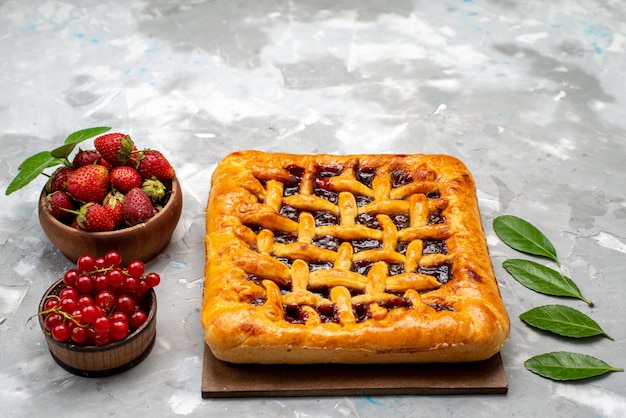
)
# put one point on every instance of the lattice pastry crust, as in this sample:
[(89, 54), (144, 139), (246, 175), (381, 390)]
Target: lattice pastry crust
[(348, 259)]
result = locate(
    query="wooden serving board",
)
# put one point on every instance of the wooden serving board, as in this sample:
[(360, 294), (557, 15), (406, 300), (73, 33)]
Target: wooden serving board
[(226, 380)]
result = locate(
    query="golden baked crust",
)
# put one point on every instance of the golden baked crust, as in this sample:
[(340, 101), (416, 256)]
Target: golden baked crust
[(348, 259)]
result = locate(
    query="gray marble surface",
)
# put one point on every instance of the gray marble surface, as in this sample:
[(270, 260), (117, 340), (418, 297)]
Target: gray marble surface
[(529, 94)]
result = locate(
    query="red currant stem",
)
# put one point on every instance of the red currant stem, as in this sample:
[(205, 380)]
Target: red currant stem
[(60, 312)]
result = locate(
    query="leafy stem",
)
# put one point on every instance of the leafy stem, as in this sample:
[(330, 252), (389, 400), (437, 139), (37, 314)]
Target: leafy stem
[(35, 165)]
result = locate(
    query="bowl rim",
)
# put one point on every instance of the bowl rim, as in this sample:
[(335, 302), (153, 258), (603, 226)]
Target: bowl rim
[(56, 286), (115, 233)]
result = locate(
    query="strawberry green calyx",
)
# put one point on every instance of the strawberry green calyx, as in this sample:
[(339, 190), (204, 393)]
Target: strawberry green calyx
[(155, 189)]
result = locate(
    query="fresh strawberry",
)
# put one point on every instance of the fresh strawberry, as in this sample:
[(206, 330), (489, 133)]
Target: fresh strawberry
[(115, 148), (153, 164), (93, 217), (155, 189), (137, 207), (124, 178), (58, 178), (113, 202), (85, 157), (59, 204), (90, 183)]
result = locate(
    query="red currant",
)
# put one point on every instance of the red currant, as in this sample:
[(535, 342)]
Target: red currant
[(85, 300), (116, 278), (89, 313), (69, 278), (135, 268), (142, 287), (52, 320), (86, 263), (119, 316), (101, 339), (101, 325), (84, 283), (112, 259), (60, 332), (131, 284), (125, 303), (69, 293), (79, 335), (137, 318), (99, 263), (153, 279), (119, 330), (100, 282), (105, 299), (51, 303), (68, 304)]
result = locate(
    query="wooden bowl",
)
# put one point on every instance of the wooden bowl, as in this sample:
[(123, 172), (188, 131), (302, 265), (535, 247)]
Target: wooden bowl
[(107, 360), (140, 242)]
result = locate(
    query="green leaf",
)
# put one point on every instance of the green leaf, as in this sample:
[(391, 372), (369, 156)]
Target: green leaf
[(564, 365), (543, 279), (75, 138), (30, 169), (563, 320), (523, 236)]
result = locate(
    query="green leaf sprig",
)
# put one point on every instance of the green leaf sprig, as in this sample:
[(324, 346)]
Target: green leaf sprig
[(35, 165), (525, 237), (543, 279), (565, 365), (562, 320)]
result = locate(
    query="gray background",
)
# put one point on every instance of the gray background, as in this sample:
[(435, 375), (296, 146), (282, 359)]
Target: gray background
[(529, 94)]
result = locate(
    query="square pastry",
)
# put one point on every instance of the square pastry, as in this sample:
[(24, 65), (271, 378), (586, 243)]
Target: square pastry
[(348, 259)]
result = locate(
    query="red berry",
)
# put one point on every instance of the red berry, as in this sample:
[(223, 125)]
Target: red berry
[(153, 164), (60, 205), (79, 335), (85, 300), (100, 282), (68, 293), (52, 320), (105, 299), (137, 318), (153, 279), (137, 207), (113, 259), (101, 339), (89, 183), (84, 283), (113, 203), (86, 263), (89, 313), (119, 316), (131, 284), (101, 325), (70, 276), (124, 178), (119, 330), (99, 263), (136, 268), (115, 148), (60, 332), (125, 303), (68, 304), (116, 277), (94, 217), (57, 179), (85, 157), (51, 303)]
